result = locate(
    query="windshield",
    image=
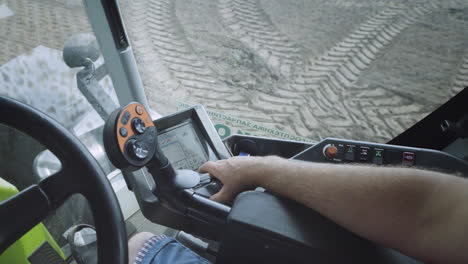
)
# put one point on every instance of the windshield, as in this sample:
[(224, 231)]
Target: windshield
[(304, 70)]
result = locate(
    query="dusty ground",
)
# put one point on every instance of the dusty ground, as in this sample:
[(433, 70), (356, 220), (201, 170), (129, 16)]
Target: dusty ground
[(313, 68), (355, 69)]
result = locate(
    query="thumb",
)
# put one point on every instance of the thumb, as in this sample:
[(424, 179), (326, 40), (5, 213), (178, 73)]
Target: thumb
[(222, 196)]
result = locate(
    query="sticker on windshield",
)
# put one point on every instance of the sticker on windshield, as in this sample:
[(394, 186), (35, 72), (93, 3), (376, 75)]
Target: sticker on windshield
[(228, 125)]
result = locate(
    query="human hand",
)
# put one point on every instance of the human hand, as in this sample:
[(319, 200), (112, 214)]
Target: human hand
[(237, 174)]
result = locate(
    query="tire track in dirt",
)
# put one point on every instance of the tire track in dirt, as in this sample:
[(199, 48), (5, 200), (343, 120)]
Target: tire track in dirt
[(330, 79), (342, 65), (168, 39), (311, 95), (319, 97), (319, 90), (168, 58), (249, 22)]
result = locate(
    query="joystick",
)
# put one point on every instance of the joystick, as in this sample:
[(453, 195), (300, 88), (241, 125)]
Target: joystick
[(131, 142)]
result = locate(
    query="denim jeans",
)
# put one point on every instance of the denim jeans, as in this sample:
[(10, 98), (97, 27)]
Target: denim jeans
[(162, 250)]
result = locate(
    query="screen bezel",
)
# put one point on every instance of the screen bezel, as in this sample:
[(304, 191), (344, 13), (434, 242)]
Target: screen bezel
[(202, 125)]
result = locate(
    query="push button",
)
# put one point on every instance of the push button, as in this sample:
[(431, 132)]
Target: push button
[(349, 154), (123, 132), (138, 125), (378, 156), (330, 151), (408, 158), (364, 154), (125, 118)]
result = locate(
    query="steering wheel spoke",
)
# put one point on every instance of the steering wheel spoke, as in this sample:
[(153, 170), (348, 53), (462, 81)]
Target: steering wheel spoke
[(27, 208), (58, 187), (22, 212)]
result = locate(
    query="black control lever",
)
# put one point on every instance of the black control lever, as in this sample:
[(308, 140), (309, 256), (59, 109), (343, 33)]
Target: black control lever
[(131, 142)]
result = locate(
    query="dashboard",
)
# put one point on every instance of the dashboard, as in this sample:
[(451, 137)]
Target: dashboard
[(188, 139)]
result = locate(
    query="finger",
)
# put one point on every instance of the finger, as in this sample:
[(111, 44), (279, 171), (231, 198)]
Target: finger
[(222, 196), (207, 167)]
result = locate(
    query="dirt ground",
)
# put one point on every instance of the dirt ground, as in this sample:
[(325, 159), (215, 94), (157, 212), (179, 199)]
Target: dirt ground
[(355, 69), (363, 70)]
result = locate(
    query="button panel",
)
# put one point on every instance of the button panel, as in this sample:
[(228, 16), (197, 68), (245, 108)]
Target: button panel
[(356, 152), (377, 154), (131, 124)]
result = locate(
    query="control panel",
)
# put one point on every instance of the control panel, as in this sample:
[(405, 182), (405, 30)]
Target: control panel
[(348, 151), (352, 152), (130, 137)]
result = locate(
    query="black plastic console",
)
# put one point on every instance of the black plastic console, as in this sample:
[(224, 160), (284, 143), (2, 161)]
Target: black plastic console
[(263, 228)]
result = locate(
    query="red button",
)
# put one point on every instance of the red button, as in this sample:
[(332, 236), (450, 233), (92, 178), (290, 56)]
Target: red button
[(330, 151), (408, 159)]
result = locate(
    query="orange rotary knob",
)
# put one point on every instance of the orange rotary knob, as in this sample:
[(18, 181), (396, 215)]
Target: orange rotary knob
[(330, 151)]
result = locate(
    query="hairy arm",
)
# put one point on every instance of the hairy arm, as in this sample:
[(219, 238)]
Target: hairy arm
[(423, 214)]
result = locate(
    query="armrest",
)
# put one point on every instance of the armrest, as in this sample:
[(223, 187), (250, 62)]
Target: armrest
[(262, 228)]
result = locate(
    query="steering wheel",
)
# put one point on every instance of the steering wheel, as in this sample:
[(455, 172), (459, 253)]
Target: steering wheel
[(80, 174)]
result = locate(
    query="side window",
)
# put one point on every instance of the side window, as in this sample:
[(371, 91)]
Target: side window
[(36, 68)]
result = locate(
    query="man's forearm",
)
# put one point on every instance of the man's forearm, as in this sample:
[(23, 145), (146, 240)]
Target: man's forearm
[(403, 208)]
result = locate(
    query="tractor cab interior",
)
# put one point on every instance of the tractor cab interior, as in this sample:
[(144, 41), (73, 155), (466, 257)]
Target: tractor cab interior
[(120, 158)]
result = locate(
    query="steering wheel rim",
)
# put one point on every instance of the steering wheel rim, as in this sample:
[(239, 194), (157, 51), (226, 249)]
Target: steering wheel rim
[(80, 174)]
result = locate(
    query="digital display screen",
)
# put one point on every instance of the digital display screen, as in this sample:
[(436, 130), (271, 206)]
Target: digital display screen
[(184, 148)]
